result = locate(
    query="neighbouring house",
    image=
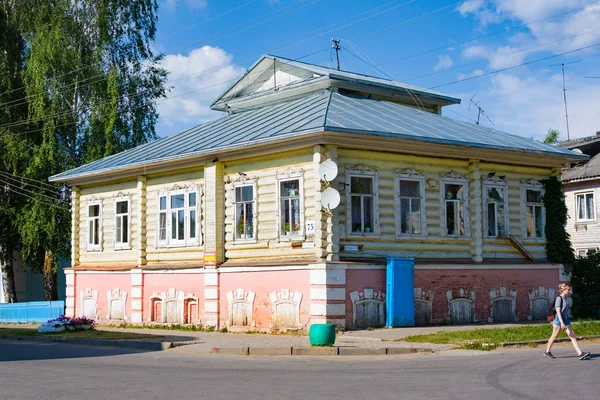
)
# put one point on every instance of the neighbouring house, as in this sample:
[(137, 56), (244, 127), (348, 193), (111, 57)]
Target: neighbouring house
[(29, 286), (581, 183), (230, 224)]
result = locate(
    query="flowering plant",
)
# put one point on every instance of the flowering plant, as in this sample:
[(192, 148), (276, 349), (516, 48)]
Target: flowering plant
[(70, 323)]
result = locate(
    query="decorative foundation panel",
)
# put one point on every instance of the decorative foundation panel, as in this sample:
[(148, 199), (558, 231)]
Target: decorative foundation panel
[(92, 297), (173, 297)]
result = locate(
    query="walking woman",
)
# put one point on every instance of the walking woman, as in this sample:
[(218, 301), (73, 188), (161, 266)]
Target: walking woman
[(562, 322)]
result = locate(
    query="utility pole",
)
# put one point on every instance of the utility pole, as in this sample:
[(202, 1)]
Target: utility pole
[(480, 110), (562, 65), (336, 46)]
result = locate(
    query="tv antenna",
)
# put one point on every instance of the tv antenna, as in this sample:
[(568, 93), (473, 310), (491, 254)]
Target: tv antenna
[(336, 46), (562, 65), (480, 110)]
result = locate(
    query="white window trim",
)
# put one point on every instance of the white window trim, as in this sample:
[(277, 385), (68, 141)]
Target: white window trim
[(290, 176), (365, 172), (234, 186), (454, 179), (187, 242), (577, 206), (89, 246), (504, 187), (531, 184), (123, 246), (410, 175)]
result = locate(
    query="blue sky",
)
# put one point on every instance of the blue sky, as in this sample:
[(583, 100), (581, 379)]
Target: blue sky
[(427, 43)]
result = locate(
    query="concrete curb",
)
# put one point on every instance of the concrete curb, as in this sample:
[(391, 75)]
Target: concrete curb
[(238, 351), (131, 344), (544, 341)]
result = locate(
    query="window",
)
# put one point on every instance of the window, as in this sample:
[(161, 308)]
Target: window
[(585, 206), (534, 213), (585, 252), (290, 209), (454, 206), (410, 203), (94, 226), (122, 218), (362, 196), (178, 218), (495, 211), (245, 208)]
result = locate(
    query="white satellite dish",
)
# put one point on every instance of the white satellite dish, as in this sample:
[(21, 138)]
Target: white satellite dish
[(577, 151), (330, 198), (328, 170)]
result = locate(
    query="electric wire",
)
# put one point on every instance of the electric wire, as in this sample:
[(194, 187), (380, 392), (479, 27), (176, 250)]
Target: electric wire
[(17, 187), (38, 200), (16, 181)]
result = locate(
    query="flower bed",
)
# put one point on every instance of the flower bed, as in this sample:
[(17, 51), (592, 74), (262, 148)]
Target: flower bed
[(63, 323)]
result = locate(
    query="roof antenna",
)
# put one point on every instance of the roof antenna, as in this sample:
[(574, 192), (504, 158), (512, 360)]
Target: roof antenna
[(562, 65), (336, 46), (480, 111)]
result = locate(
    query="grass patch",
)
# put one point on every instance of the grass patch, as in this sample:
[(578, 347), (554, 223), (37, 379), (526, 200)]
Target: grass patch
[(89, 334), (172, 327), (480, 338)]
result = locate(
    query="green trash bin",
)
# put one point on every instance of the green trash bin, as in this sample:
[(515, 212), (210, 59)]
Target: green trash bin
[(322, 335)]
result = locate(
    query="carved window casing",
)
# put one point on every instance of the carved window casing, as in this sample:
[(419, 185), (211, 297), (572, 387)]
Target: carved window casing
[(533, 211), (179, 216), (454, 205), (362, 201), (410, 204), (495, 207), (94, 225), (290, 200)]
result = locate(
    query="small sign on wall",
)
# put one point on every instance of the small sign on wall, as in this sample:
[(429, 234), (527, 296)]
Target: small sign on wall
[(310, 227), (210, 259)]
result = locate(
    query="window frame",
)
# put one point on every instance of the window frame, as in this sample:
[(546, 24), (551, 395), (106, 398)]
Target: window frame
[(411, 176), (454, 179), (534, 186), (186, 241), (362, 172), (286, 177), (585, 194), (91, 246), (254, 201), (121, 245), (504, 187)]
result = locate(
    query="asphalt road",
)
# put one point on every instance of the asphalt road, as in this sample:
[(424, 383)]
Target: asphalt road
[(73, 372)]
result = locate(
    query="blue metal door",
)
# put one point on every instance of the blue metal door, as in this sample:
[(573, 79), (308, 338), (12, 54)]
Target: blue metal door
[(400, 299)]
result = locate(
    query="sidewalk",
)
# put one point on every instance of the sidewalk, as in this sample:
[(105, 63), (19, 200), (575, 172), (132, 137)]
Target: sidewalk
[(364, 342)]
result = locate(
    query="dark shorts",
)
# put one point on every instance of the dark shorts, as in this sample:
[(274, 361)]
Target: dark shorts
[(566, 320)]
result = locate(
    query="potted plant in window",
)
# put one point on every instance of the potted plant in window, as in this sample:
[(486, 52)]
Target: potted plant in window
[(249, 232), (240, 229), (297, 227), (286, 228)]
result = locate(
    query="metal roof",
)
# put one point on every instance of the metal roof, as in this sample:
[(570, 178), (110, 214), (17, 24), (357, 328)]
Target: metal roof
[(334, 74), (316, 112)]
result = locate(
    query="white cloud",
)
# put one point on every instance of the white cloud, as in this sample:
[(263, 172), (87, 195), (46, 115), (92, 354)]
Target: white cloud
[(194, 4), (476, 51), (198, 73), (476, 72), (444, 62), (530, 106)]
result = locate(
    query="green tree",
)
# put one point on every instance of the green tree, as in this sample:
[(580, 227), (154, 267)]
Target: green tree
[(552, 136), (91, 83), (11, 63)]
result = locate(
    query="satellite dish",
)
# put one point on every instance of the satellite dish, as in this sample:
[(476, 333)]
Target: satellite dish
[(328, 170), (330, 198), (577, 151)]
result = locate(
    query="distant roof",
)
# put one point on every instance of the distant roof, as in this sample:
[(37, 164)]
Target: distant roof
[(316, 112), (585, 170), (319, 72), (574, 143)]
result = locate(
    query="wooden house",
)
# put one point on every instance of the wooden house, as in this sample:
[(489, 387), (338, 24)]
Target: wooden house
[(224, 224)]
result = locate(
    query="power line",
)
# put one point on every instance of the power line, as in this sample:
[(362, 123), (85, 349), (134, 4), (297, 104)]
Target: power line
[(17, 187), (503, 55), (487, 35), (39, 186), (38, 200), (515, 66)]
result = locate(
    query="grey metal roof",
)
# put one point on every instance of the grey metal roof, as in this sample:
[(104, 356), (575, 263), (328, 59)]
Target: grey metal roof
[(587, 170), (350, 77), (320, 111)]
